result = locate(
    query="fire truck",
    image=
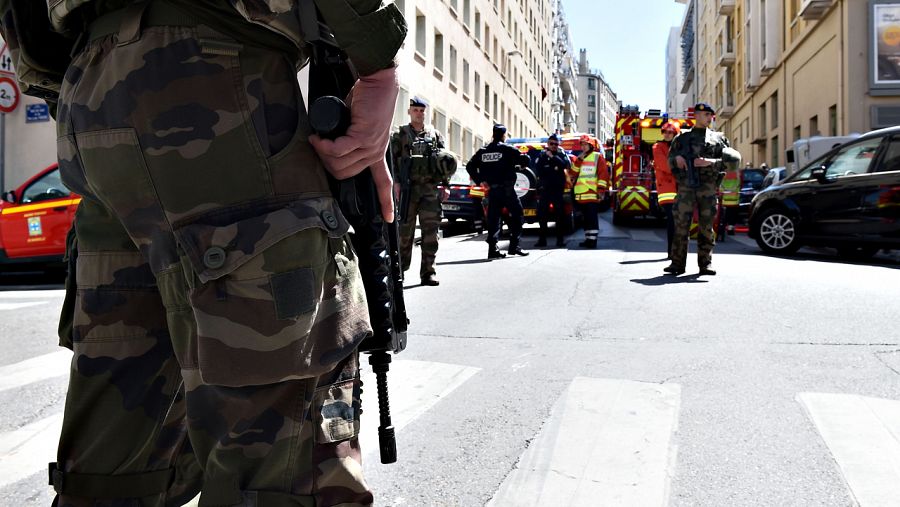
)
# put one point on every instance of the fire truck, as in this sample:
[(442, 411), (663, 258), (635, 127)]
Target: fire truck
[(633, 185)]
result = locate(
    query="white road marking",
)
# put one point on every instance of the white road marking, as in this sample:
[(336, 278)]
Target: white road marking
[(27, 450), (33, 294), (55, 364), (415, 387), (863, 435), (607, 442)]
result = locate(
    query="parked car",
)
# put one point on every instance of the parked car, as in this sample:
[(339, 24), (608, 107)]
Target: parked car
[(34, 220), (848, 198), (465, 201), (775, 176), (751, 184)]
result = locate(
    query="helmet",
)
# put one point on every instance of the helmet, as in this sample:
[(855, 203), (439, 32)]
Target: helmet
[(446, 163), (586, 139), (672, 125), (731, 158)]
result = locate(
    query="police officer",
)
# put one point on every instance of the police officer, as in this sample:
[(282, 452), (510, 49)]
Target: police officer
[(421, 166), (707, 152), (216, 332), (552, 170), (495, 164)]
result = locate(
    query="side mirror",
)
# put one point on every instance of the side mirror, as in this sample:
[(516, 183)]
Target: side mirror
[(9, 196), (819, 174)]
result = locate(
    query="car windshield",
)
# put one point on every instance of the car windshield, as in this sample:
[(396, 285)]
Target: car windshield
[(460, 177), (48, 186), (753, 179)]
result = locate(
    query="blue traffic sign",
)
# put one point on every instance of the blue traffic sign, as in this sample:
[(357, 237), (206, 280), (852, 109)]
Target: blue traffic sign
[(36, 113)]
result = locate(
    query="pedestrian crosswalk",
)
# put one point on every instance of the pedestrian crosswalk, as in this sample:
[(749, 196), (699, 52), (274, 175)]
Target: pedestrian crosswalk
[(606, 441)]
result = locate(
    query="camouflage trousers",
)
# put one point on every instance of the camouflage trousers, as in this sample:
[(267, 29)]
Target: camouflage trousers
[(704, 199), (425, 204), (215, 306)]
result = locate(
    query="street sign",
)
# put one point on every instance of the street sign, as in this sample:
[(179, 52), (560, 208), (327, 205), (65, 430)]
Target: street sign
[(37, 113), (6, 61), (9, 94)]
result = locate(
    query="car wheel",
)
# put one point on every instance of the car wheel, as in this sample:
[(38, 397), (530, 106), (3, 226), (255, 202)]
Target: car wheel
[(857, 253), (776, 233)]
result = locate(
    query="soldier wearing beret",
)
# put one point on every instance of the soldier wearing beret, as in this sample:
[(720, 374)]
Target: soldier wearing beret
[(419, 159), (707, 153)]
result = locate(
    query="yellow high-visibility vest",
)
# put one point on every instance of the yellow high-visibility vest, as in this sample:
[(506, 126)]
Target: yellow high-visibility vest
[(588, 185), (731, 189)]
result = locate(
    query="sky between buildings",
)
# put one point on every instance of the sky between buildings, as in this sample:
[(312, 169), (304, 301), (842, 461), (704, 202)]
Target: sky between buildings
[(626, 40)]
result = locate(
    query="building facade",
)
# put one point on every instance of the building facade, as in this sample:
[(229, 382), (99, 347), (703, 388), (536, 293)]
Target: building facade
[(564, 90), (781, 70), (479, 62), (597, 103)]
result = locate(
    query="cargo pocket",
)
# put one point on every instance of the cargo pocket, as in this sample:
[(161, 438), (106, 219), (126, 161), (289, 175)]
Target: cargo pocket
[(336, 412), (266, 296), (67, 314)]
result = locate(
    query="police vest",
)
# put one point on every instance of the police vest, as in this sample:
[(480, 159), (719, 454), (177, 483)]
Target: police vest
[(731, 189), (588, 185)]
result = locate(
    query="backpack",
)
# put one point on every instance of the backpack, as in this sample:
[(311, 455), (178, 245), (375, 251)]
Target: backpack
[(40, 54)]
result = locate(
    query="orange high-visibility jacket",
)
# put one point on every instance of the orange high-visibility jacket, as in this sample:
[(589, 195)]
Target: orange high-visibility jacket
[(665, 181), (592, 178)]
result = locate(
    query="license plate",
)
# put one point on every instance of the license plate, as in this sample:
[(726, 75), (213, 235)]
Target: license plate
[(530, 212), (450, 207)]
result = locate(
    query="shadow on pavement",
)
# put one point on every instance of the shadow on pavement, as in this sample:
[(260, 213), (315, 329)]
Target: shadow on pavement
[(669, 280), (32, 280), (470, 261), (646, 261)]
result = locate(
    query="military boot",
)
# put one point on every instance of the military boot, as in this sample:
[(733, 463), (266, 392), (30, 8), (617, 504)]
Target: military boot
[(430, 280), (707, 270), (516, 250), (674, 270)]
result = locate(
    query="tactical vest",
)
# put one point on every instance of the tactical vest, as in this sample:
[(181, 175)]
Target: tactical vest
[(421, 152)]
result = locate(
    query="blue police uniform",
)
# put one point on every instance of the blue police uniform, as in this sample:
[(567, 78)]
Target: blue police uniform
[(495, 164)]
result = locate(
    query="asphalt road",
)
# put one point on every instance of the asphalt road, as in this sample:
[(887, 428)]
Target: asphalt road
[(574, 377)]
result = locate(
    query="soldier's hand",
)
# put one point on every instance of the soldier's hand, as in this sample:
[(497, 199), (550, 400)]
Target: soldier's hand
[(371, 103), (445, 194), (681, 162), (702, 162)]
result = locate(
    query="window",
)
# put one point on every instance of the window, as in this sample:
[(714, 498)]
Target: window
[(401, 5), (454, 4), (467, 144), (440, 121), (400, 110), (775, 148), (592, 84), (477, 25), (854, 159), (496, 111), (814, 126), (420, 34), (592, 131), (453, 64), (592, 100), (467, 11), (592, 117), (49, 186), (832, 121), (465, 76), (797, 133), (477, 86), (774, 110), (763, 130), (455, 137), (438, 51)]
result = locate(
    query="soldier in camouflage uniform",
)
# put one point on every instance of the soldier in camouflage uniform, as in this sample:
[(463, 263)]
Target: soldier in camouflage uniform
[(416, 148), (710, 153), (214, 305)]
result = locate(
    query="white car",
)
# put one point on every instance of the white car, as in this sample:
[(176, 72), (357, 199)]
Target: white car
[(774, 176)]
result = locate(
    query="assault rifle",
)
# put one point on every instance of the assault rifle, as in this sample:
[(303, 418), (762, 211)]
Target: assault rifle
[(376, 242)]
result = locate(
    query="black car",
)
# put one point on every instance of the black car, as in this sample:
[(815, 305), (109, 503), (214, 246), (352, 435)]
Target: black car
[(751, 184), (462, 205), (848, 199)]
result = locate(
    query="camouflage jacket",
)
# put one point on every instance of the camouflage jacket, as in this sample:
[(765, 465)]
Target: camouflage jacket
[(409, 147), (368, 31), (699, 143)]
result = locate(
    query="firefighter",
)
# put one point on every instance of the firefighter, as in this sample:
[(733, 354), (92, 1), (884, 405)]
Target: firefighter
[(552, 171), (707, 152), (731, 197), (495, 164), (665, 181), (592, 182), (417, 151)]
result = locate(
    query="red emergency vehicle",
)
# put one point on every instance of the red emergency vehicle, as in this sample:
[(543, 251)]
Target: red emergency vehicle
[(34, 220)]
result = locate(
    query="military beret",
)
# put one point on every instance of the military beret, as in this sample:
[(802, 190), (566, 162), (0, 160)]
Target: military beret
[(418, 102), (704, 107)]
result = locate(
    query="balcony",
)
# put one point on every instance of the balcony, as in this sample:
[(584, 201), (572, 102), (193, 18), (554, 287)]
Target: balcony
[(726, 7), (814, 9), (726, 112), (726, 58)]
